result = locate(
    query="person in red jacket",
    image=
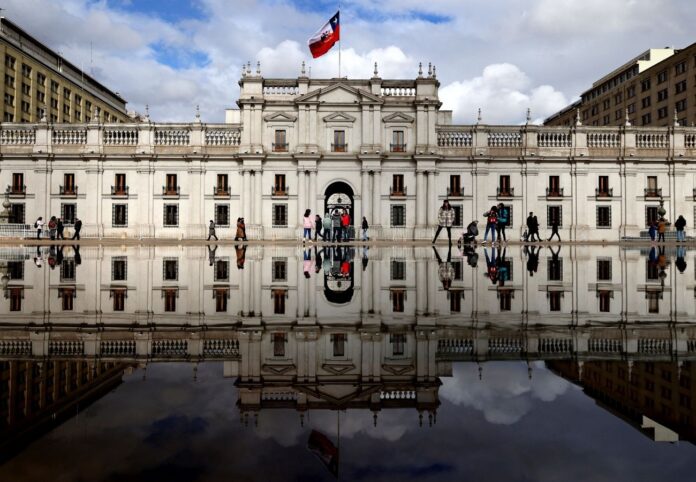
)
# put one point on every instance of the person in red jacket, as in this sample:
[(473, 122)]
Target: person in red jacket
[(345, 224)]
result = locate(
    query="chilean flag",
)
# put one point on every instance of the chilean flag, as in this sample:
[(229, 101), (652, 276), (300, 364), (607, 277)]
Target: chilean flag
[(325, 38)]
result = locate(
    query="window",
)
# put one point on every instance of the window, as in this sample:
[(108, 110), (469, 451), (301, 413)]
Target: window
[(339, 143), (17, 183), (280, 215), (595, 109), (68, 213), (455, 299), (680, 105), (652, 189), (41, 79), (680, 68), (555, 300), (662, 76), (67, 296), (15, 270), (398, 343), (505, 299), (618, 98), (280, 269), (26, 89), (9, 81), (603, 185), (604, 269), (554, 186), (455, 185), (398, 142), (646, 119), (66, 109), (279, 296), (54, 102), (16, 297), (631, 91), (279, 186), (170, 269), (66, 93), (605, 120), (554, 213), (606, 104), (170, 295), (280, 144), (119, 268), (398, 299), (554, 269), (457, 215), (653, 301), (119, 215), (222, 270), (662, 95), (171, 215), (67, 270), (17, 214), (338, 341), (26, 107), (78, 99), (631, 108), (9, 100), (69, 183), (645, 102), (118, 297), (398, 215), (650, 215), (398, 270), (680, 87), (172, 186), (645, 85), (221, 296), (398, 188), (662, 112), (9, 61), (278, 340), (222, 215), (618, 114), (222, 186), (120, 184), (604, 216)]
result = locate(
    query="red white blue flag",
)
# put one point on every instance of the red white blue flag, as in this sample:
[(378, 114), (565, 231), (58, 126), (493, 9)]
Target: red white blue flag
[(325, 38)]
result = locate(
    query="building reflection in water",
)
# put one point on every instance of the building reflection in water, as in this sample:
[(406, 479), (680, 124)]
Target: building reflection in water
[(346, 327)]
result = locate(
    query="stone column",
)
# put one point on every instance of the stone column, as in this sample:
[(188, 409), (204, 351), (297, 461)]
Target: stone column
[(312, 204), (377, 199), (257, 199), (365, 195), (301, 198), (246, 195), (431, 210), (421, 199), (421, 286)]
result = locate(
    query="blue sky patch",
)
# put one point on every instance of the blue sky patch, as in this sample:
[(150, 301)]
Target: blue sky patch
[(169, 10)]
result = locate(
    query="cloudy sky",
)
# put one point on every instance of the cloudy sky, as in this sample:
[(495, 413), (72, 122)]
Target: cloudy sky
[(501, 55)]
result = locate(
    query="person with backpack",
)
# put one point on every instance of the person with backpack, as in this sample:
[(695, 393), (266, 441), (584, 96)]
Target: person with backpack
[(59, 229), (680, 224), (336, 226), (307, 223), (327, 225), (78, 228), (652, 231), (491, 223), (661, 228), (470, 234), (39, 224), (52, 228), (345, 225), (364, 227), (317, 227), (445, 219), (503, 216)]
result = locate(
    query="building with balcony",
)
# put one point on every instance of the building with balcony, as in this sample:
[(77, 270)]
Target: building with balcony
[(380, 148), (38, 81)]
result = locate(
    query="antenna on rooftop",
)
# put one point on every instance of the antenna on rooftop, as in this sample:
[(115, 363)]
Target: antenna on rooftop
[(91, 59)]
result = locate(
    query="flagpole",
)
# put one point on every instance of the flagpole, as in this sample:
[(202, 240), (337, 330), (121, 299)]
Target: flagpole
[(338, 444), (339, 39)]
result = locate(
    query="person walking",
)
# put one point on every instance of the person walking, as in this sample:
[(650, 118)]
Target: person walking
[(78, 228), (326, 232), (445, 219), (307, 223), (532, 228), (240, 234), (680, 224), (491, 223), (445, 269), (554, 230), (345, 226), (336, 226), (652, 231), (59, 229), (364, 227), (39, 224), (661, 228), (503, 215), (211, 231), (52, 227), (317, 227)]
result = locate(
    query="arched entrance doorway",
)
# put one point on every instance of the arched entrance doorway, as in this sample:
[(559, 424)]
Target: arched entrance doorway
[(339, 195), (339, 282)]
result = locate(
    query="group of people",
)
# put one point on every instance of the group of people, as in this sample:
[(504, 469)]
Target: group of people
[(56, 228), (55, 256), (658, 228), (335, 226)]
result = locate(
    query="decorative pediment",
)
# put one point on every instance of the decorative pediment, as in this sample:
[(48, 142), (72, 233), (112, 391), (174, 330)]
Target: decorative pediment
[(339, 117), (340, 394), (338, 368), (340, 93), (278, 369), (398, 117), (280, 117), (397, 369)]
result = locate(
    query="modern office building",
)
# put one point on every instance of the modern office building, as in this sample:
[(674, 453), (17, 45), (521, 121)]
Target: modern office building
[(656, 88), (37, 80)]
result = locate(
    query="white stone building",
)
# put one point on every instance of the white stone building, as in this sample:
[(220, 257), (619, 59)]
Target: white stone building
[(382, 148)]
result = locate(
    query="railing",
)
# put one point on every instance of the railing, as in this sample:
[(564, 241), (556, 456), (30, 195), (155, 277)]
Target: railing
[(455, 346), (397, 147), (280, 147), (505, 139), (652, 192), (394, 192), (17, 136), (172, 137), (554, 139), (280, 191), (690, 141), (654, 346), (15, 348), (223, 136), (599, 193), (166, 348), (339, 147), (554, 192), (70, 191), (398, 91), (652, 140), (19, 191), (397, 395), (454, 138), (221, 191), (69, 136), (504, 193), (119, 190), (171, 191), (604, 345), (221, 348), (505, 345), (120, 137), (117, 348), (458, 192), (66, 348), (555, 345), (604, 140), (281, 90)]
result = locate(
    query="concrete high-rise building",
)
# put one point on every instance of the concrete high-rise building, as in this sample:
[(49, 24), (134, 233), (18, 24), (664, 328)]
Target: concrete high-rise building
[(37, 78), (654, 89)]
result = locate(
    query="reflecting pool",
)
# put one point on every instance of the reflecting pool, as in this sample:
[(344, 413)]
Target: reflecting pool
[(284, 363)]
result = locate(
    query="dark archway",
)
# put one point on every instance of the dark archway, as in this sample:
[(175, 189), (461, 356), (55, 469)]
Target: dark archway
[(339, 283), (339, 195)]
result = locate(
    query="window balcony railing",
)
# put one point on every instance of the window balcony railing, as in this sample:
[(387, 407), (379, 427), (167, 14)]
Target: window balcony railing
[(397, 147), (221, 191), (339, 147), (171, 191), (397, 192), (608, 192), (505, 193), (455, 192), (554, 192), (119, 191), (68, 191), (17, 191), (280, 147), (652, 192), (280, 191)]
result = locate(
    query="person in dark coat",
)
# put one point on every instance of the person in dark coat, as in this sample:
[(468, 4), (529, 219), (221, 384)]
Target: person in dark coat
[(59, 229), (78, 227)]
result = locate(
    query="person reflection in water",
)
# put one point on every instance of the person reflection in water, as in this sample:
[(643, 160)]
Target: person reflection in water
[(38, 259), (211, 255), (503, 267), (307, 264), (364, 257), (532, 259), (240, 250), (491, 266), (445, 270), (680, 263)]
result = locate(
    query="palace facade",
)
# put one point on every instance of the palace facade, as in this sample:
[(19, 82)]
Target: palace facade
[(382, 149)]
